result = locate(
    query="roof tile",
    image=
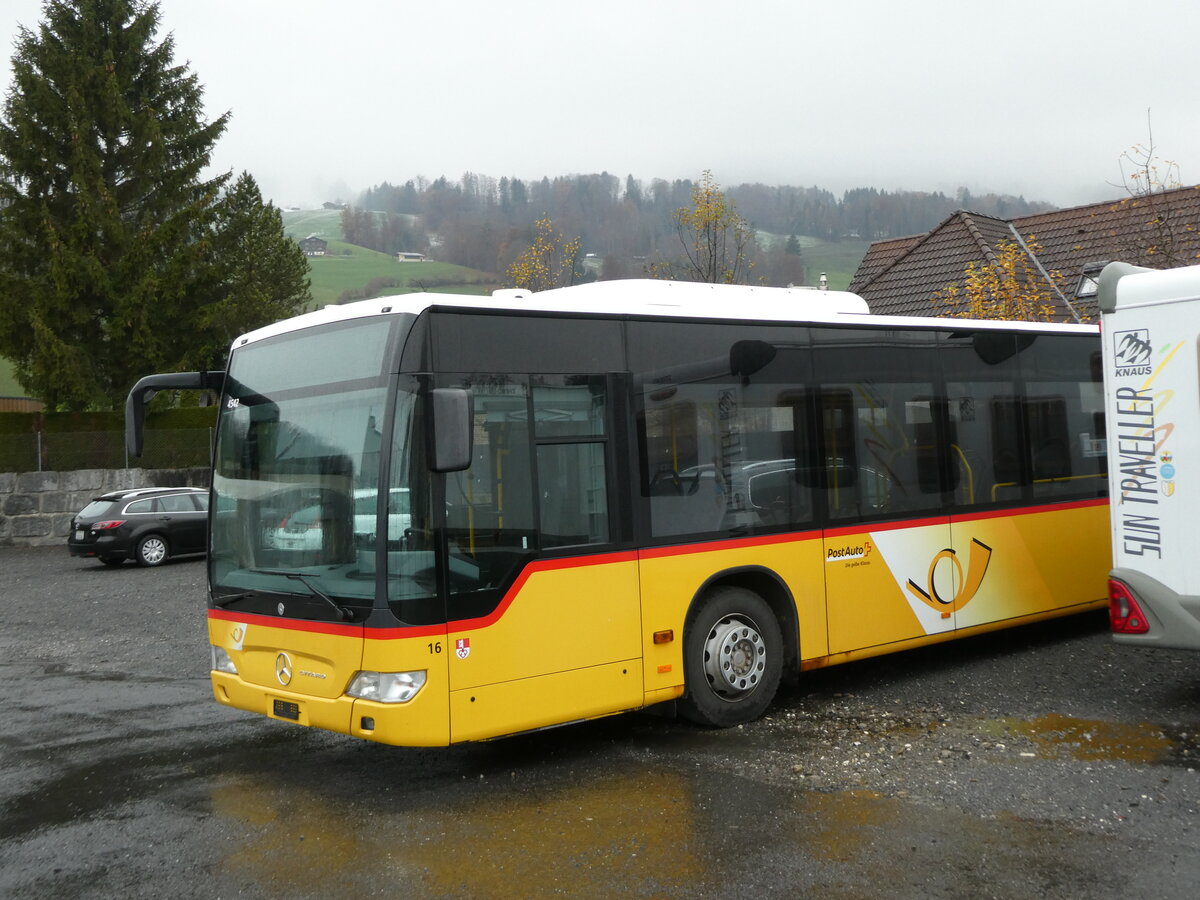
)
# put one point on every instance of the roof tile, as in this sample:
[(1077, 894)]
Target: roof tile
[(1162, 230)]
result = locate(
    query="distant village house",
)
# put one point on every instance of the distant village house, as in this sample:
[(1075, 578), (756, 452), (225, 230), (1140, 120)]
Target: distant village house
[(313, 245)]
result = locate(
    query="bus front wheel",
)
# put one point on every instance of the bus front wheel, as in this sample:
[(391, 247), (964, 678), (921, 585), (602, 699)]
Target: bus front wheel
[(733, 657)]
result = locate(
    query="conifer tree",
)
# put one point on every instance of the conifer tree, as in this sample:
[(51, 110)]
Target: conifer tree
[(108, 223), (255, 274)]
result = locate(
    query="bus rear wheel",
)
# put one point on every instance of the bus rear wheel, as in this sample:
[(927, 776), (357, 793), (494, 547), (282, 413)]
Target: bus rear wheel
[(733, 658)]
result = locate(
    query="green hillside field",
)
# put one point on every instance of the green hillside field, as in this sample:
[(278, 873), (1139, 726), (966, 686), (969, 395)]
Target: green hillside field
[(346, 267), (837, 259), (323, 223), (8, 383)]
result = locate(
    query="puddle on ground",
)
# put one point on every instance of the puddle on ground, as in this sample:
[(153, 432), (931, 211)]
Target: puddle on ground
[(300, 815), (1057, 736), (658, 833), (668, 833)]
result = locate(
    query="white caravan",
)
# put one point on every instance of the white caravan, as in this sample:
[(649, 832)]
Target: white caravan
[(1150, 325)]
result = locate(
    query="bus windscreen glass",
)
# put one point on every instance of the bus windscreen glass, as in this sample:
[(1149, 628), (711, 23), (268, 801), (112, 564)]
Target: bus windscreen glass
[(296, 478)]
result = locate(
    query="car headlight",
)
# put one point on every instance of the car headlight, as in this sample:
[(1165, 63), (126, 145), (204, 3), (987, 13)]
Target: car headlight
[(386, 687), (222, 661)]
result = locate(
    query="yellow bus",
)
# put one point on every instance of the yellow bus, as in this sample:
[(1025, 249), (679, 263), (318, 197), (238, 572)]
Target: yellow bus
[(438, 519)]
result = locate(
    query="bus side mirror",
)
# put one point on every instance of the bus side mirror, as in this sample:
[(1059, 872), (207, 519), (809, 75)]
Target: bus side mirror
[(450, 409), (146, 388)]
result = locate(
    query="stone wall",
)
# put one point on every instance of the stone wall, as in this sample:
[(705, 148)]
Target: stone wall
[(36, 507)]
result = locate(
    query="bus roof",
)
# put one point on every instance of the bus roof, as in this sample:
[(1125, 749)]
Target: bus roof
[(651, 298)]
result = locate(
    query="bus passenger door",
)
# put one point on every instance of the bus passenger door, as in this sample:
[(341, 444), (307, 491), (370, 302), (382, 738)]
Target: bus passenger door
[(889, 566), (1026, 433), (889, 582), (544, 617)]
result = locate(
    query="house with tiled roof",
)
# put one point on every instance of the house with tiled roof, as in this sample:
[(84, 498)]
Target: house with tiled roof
[(313, 245), (1065, 249)]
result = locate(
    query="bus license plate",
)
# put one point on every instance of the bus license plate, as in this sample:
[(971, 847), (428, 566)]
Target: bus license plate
[(287, 710)]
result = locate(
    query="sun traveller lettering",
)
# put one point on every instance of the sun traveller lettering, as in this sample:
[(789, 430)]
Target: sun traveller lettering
[(1141, 532)]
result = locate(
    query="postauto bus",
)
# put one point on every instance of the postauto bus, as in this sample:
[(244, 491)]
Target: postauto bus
[(627, 493)]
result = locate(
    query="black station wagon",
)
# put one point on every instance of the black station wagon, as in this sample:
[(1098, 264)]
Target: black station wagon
[(147, 525)]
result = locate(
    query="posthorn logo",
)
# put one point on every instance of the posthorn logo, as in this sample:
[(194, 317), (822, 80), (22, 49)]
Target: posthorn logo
[(966, 587)]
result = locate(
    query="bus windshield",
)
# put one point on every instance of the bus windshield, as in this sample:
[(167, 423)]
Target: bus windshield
[(296, 482)]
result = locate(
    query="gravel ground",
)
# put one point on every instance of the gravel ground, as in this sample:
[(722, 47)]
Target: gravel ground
[(1038, 761)]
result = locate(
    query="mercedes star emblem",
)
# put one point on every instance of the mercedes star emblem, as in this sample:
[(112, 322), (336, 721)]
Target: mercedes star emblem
[(283, 669)]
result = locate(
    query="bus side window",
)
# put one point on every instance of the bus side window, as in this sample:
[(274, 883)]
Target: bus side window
[(935, 432), (983, 415), (570, 431), (1048, 441), (880, 415), (489, 506), (669, 438), (572, 494), (1066, 455), (674, 434)]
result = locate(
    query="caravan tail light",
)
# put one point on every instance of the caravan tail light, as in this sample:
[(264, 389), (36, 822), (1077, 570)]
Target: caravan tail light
[(1124, 614)]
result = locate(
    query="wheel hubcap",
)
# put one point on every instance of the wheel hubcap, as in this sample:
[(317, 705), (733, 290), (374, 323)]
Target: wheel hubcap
[(734, 656), (153, 551)]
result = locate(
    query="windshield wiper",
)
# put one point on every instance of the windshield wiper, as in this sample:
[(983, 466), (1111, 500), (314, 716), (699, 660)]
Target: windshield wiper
[(233, 598), (343, 613)]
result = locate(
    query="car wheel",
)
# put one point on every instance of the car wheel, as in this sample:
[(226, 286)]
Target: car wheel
[(113, 560), (732, 659), (152, 550)]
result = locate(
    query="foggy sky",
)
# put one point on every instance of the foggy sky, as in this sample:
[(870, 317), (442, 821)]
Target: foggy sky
[(1032, 97)]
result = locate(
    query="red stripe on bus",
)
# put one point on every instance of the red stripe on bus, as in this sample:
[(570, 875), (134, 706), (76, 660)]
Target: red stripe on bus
[(333, 628), (762, 540), (887, 526), (227, 615), (604, 559), (1032, 510), (540, 565)]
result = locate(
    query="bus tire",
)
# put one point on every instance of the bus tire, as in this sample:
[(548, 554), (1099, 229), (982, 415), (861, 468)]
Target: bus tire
[(152, 550), (732, 659)]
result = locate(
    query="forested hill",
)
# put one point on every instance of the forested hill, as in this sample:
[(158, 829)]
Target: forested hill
[(484, 222), (596, 200), (867, 213)]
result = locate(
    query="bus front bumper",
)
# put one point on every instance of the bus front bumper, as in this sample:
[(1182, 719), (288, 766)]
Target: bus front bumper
[(421, 722)]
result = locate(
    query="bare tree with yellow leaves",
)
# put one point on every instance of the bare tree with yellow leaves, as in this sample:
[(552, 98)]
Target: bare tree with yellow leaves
[(550, 261), (717, 242), (1011, 288), (1158, 235)]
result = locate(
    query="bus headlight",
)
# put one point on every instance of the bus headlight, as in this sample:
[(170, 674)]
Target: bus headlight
[(222, 661), (386, 687)]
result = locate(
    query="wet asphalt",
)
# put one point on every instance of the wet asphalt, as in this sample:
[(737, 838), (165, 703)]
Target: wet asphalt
[(1041, 761)]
